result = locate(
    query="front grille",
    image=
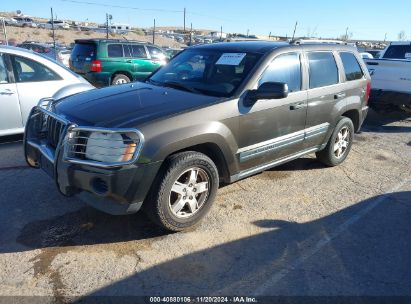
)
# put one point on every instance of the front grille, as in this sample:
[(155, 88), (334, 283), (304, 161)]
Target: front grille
[(54, 129), (45, 128)]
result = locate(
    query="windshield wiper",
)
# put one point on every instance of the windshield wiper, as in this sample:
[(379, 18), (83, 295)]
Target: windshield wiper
[(178, 85)]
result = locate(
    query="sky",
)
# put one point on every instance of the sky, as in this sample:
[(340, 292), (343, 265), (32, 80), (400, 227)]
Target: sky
[(365, 19)]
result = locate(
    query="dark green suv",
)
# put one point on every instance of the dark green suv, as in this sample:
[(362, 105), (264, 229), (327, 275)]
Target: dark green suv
[(105, 62)]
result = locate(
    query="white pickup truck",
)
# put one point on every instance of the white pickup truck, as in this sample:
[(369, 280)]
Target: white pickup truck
[(391, 78)]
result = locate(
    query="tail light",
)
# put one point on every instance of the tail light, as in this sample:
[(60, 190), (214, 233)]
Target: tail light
[(368, 92), (47, 50), (96, 66)]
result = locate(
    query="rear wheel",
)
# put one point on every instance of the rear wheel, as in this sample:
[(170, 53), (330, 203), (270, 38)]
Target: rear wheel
[(339, 145), (184, 191), (120, 79)]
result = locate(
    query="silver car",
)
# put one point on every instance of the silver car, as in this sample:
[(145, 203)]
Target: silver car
[(25, 78)]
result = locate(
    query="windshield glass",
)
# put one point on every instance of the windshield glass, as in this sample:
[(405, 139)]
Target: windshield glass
[(209, 72)]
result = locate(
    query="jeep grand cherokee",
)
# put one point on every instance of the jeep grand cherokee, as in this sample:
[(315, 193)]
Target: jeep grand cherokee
[(215, 114)]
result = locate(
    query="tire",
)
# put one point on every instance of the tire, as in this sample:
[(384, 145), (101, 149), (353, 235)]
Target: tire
[(120, 79), (174, 196), (339, 145)]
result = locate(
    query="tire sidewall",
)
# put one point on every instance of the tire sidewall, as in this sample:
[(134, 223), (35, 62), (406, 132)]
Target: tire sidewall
[(344, 122), (177, 168), (120, 76)]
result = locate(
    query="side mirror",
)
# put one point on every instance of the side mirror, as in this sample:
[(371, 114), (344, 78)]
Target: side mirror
[(268, 90)]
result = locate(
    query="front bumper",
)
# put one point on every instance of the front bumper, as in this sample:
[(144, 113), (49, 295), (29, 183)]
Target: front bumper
[(116, 190)]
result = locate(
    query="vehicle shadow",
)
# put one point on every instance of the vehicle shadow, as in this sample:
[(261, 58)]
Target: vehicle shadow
[(378, 122), (304, 163), (361, 250), (87, 226)]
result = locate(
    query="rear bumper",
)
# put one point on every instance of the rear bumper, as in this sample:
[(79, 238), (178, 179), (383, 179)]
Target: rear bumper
[(98, 79), (387, 98)]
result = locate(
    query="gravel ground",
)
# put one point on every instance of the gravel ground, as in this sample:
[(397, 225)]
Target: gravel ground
[(298, 229)]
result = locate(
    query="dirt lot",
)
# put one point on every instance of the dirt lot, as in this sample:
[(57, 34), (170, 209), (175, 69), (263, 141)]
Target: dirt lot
[(299, 229), (68, 36)]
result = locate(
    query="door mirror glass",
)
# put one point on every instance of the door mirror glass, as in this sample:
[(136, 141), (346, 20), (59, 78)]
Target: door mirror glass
[(268, 90)]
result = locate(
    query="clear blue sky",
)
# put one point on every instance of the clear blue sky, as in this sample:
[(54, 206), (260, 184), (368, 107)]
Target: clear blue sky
[(366, 19)]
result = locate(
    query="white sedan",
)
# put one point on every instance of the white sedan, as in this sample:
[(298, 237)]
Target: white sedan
[(25, 78)]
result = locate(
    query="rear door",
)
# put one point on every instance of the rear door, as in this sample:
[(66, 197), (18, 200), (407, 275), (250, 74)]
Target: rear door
[(10, 115), (325, 96), (82, 56)]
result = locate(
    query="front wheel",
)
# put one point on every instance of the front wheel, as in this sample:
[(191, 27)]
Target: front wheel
[(339, 145), (184, 191)]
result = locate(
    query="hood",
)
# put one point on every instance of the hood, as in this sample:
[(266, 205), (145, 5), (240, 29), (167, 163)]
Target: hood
[(127, 105)]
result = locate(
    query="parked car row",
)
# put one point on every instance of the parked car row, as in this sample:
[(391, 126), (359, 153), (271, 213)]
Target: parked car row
[(60, 54)]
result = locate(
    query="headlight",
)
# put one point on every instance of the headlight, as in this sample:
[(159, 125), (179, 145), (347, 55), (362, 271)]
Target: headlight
[(110, 147), (102, 147)]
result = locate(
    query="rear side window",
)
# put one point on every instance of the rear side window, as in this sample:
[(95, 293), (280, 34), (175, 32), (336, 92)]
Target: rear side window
[(84, 50), (323, 69), (285, 68), (27, 70), (397, 51), (115, 50), (352, 68)]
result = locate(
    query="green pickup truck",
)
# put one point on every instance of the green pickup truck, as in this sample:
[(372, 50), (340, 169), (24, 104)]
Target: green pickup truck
[(106, 62)]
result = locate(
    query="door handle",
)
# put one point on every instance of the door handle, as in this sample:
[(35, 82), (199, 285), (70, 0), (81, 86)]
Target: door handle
[(297, 106), (339, 95), (6, 92)]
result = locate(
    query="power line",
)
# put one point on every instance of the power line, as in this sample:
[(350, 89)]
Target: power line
[(124, 7), (147, 9)]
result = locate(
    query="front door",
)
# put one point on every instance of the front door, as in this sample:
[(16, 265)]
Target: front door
[(272, 129), (10, 114)]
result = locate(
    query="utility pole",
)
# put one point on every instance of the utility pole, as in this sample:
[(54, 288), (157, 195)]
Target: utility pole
[(54, 36), (184, 27), (385, 37), (295, 29), (154, 32), (191, 33), (5, 31), (346, 34), (221, 33), (248, 32), (106, 25), (269, 36)]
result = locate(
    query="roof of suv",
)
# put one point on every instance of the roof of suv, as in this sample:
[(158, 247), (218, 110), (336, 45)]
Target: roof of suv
[(243, 46), (264, 47), (104, 40)]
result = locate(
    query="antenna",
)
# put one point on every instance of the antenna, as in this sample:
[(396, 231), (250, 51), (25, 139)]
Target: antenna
[(295, 28)]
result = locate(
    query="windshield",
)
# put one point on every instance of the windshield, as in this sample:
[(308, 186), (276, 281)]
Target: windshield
[(209, 72)]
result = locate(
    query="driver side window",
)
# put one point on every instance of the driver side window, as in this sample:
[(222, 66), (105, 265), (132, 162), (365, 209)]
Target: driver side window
[(27, 70), (285, 68)]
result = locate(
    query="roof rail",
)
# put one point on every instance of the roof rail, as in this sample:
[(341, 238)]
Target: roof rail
[(319, 41)]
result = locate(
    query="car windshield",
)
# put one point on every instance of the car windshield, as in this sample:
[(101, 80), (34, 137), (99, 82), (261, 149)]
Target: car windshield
[(209, 72)]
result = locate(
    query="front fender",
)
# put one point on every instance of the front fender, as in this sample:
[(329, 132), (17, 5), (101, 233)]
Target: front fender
[(159, 147)]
